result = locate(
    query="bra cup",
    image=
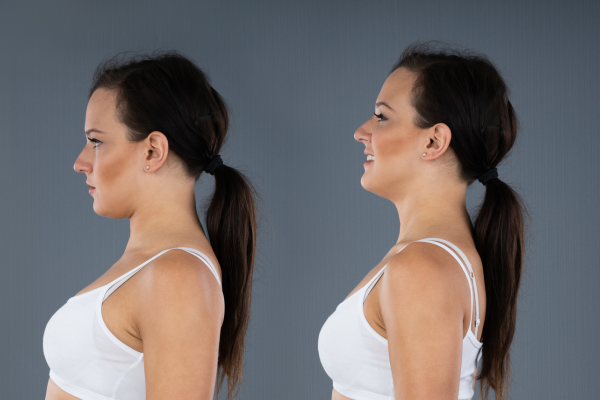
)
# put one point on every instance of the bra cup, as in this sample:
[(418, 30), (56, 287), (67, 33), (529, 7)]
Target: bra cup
[(344, 346)]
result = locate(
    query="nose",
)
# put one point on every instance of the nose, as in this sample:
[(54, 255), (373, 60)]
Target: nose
[(81, 164), (363, 134)]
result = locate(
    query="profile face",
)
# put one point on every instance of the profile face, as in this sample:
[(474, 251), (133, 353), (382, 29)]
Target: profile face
[(391, 139), (109, 161)]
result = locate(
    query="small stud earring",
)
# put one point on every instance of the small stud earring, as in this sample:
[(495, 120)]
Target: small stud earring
[(424, 154), (147, 167)]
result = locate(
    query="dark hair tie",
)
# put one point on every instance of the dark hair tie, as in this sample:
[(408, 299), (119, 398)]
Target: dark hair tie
[(487, 175), (215, 163)]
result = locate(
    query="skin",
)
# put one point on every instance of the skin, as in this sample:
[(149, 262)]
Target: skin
[(172, 309), (421, 304)]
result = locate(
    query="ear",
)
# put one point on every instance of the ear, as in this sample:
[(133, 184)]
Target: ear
[(156, 150), (437, 140)]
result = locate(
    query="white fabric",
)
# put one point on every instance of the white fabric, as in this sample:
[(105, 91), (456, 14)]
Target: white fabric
[(85, 358), (356, 357)]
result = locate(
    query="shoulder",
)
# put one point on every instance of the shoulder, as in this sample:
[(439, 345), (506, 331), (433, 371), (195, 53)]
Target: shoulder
[(423, 260), (181, 265), (179, 318), (179, 280), (424, 275)]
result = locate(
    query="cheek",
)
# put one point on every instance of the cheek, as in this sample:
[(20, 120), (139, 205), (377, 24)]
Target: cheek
[(394, 162), (112, 172), (391, 152)]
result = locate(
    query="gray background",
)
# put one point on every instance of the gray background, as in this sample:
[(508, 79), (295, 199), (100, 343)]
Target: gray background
[(300, 77)]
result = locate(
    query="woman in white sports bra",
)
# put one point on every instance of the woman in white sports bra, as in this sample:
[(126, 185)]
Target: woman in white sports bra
[(169, 318), (440, 307)]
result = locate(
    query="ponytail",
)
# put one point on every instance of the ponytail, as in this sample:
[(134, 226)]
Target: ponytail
[(499, 239), (231, 225)]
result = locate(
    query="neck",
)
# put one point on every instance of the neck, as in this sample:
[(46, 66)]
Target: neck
[(438, 210), (168, 219)]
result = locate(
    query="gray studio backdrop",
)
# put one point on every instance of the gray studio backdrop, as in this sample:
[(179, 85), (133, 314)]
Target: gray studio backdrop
[(300, 77)]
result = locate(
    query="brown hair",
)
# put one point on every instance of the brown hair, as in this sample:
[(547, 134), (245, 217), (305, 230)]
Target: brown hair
[(166, 92), (466, 92)]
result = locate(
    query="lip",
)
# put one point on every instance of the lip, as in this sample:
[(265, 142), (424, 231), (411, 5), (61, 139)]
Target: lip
[(369, 161)]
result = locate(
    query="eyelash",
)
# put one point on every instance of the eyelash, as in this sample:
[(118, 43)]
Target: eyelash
[(380, 116), (95, 141)]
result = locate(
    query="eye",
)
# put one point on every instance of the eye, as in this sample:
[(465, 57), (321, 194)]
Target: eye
[(380, 116), (95, 141)]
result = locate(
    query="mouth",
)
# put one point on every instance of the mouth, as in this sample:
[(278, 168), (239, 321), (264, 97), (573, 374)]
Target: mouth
[(370, 157)]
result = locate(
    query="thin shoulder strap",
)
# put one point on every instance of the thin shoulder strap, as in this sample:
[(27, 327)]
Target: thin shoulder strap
[(372, 283), (470, 275), (123, 278), (466, 260), (374, 280), (204, 258), (114, 285)]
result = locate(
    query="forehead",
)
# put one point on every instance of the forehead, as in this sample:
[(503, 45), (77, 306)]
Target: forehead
[(101, 109), (397, 87)]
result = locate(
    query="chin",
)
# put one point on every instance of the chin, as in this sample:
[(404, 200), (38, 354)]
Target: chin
[(112, 210), (97, 209), (366, 184), (372, 187)]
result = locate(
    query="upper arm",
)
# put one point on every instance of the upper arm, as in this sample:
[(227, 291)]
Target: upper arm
[(422, 306), (179, 320)]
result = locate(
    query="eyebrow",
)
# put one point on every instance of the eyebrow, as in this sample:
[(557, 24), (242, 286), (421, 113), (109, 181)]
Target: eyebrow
[(92, 130), (381, 103)]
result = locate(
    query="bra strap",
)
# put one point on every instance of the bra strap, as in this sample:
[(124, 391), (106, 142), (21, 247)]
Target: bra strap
[(114, 285), (372, 283), (374, 280), (466, 260), (204, 258), (470, 275)]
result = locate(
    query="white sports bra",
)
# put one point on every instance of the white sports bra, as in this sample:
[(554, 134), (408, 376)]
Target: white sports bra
[(356, 357), (85, 358)]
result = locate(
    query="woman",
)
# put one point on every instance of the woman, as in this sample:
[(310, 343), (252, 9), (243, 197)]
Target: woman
[(170, 315), (446, 293)]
